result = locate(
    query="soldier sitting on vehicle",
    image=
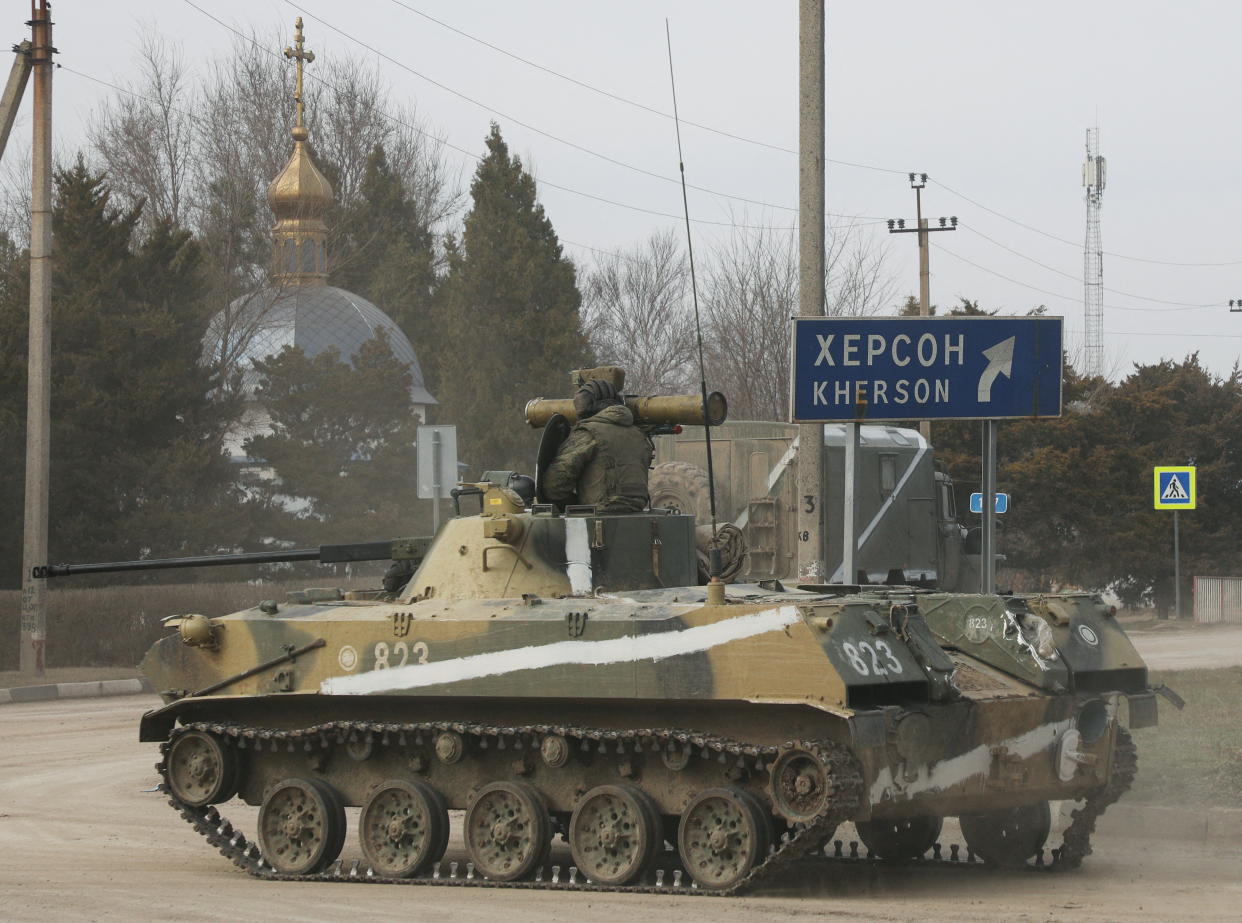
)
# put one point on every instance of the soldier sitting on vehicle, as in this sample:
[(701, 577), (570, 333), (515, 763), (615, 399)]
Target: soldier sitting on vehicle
[(604, 461)]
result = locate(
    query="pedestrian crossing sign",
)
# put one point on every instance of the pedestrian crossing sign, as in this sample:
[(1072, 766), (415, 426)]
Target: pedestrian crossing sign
[(1175, 488)]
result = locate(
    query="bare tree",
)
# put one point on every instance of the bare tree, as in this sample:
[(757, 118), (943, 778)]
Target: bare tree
[(635, 314), (15, 172), (751, 292), (857, 280), (145, 135)]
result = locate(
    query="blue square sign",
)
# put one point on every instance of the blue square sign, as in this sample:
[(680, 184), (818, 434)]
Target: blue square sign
[(1001, 504)]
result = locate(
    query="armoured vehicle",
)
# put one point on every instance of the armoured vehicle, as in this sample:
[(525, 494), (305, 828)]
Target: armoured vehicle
[(550, 671), (907, 524)]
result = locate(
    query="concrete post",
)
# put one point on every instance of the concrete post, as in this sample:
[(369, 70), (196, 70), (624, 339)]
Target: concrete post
[(810, 470), (31, 657)]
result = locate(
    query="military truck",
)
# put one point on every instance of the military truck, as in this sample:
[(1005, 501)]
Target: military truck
[(907, 526)]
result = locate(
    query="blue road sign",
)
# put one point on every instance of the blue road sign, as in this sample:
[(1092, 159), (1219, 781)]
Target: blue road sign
[(917, 368), (1001, 503), (1174, 487)]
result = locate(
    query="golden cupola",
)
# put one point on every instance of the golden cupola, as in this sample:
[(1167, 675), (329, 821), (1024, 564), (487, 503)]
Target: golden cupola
[(300, 196)]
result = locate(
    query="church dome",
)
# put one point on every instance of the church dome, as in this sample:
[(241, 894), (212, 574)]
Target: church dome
[(312, 318), (300, 191)]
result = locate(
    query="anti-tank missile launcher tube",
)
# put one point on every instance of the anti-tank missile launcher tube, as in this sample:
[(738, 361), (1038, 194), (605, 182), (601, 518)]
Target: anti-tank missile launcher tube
[(686, 409)]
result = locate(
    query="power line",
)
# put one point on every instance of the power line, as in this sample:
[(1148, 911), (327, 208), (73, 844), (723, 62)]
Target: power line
[(527, 125), (1074, 244), (1063, 297), (633, 102), (478, 158), (587, 86), (310, 76), (1078, 279), (776, 147)]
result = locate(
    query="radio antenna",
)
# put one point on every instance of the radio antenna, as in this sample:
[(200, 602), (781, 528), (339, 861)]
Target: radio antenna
[(714, 556)]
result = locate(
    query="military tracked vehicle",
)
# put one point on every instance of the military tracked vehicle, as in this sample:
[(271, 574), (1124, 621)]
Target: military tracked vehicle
[(550, 671)]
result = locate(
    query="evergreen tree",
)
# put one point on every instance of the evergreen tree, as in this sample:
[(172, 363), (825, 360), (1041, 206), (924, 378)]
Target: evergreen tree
[(341, 447), (14, 304), (136, 463), (385, 252), (511, 314)]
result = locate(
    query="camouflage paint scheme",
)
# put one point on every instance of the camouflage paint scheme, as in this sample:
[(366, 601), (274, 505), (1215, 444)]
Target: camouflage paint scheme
[(951, 703)]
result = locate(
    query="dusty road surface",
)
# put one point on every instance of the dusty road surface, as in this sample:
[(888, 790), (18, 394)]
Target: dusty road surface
[(80, 839), (1200, 647)]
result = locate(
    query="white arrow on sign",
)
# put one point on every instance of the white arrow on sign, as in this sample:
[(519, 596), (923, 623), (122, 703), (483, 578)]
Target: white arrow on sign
[(1000, 362)]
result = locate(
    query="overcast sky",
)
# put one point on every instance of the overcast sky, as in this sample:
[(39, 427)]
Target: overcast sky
[(991, 100)]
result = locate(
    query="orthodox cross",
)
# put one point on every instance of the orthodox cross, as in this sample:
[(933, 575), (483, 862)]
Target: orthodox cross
[(299, 54)]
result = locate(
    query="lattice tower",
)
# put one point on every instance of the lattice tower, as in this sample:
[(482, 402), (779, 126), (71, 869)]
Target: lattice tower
[(1093, 176)]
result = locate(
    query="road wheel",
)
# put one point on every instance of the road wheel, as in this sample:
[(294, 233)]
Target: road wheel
[(1008, 838), (301, 826), (615, 834), (201, 770), (900, 838), (403, 828), (508, 830), (724, 834), (681, 487)]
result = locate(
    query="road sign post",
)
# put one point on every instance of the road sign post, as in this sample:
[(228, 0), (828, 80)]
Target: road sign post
[(436, 449), (1175, 488)]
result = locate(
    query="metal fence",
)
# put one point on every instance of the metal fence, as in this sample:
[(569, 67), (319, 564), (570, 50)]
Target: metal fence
[(1218, 599)]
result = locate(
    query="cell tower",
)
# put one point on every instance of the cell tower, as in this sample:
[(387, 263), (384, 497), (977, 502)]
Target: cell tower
[(1093, 175)]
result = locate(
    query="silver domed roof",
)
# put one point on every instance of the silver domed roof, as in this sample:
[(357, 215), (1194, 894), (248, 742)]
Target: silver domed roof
[(313, 318)]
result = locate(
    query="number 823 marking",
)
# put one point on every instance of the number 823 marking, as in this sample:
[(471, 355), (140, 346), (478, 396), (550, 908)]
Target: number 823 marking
[(865, 658), (399, 650)]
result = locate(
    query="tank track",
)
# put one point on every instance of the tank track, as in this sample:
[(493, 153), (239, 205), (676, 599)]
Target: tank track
[(806, 843)]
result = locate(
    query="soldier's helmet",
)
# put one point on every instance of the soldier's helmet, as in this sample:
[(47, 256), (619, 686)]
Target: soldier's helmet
[(594, 396)]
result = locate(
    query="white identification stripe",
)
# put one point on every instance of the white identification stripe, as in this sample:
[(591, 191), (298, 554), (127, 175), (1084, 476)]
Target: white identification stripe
[(839, 575), (977, 762), (773, 476), (578, 556), (657, 646)]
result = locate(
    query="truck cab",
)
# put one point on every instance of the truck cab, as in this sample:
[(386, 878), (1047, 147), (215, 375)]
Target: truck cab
[(907, 527)]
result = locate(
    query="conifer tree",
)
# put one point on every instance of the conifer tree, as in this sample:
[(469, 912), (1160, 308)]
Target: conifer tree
[(386, 253), (136, 462), (511, 311), (341, 446)]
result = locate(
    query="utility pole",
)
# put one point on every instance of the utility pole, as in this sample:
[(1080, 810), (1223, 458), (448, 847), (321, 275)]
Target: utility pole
[(810, 471), (38, 374), (898, 226), (14, 89)]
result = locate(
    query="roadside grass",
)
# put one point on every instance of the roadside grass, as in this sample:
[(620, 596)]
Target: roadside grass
[(1194, 757)]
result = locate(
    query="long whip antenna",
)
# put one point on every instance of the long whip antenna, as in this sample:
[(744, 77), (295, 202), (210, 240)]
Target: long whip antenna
[(714, 558)]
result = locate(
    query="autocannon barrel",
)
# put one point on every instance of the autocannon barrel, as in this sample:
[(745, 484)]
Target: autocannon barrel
[(401, 549), (662, 408)]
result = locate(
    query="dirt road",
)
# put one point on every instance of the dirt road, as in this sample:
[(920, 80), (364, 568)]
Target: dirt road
[(80, 839), (1191, 648)]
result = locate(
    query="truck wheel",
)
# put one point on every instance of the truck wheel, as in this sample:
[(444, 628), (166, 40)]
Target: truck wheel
[(682, 487)]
